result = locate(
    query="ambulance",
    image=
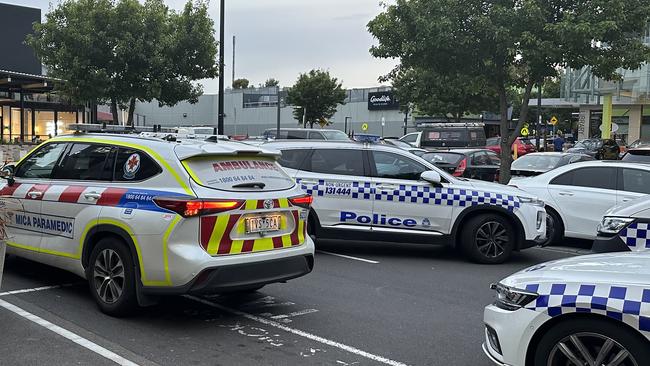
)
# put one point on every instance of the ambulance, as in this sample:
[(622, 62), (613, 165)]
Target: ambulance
[(142, 217)]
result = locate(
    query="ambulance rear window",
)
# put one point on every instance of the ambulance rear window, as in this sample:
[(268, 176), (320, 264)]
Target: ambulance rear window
[(241, 173)]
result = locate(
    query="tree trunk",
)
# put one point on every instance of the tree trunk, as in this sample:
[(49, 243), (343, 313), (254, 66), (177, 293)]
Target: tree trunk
[(114, 110), (131, 112), (506, 149)]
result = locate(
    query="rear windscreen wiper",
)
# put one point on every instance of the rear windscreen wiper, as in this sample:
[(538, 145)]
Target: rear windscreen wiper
[(250, 185)]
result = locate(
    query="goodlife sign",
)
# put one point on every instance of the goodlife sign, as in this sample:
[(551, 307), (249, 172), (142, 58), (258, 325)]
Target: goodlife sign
[(382, 101)]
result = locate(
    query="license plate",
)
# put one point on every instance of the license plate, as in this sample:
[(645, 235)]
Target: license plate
[(259, 224)]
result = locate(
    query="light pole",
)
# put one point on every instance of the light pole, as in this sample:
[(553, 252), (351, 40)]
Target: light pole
[(277, 131), (346, 124), (220, 129), (304, 117)]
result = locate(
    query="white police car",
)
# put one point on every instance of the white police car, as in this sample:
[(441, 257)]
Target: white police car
[(380, 192), (625, 227), (588, 311), (139, 217)]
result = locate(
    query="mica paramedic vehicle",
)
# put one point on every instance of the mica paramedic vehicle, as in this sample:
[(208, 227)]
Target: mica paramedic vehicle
[(142, 217)]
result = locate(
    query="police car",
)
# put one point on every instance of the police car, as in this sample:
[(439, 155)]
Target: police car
[(590, 310), (381, 192), (625, 227), (143, 217)]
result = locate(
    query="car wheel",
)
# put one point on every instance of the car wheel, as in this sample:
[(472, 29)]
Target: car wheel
[(488, 239), (111, 276), (554, 228), (591, 342)]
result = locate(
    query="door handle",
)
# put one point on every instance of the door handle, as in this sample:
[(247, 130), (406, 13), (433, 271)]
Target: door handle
[(568, 194), (386, 187), (308, 182), (92, 196), (627, 199), (34, 194)]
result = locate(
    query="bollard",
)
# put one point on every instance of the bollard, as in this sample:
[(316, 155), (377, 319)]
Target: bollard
[(3, 248)]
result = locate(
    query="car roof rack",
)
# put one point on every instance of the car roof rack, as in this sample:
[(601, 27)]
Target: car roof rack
[(106, 128), (450, 124)]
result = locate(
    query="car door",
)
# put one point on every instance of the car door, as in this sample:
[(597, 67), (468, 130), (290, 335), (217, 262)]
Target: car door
[(632, 184), (80, 183), (31, 183), (402, 201), (336, 178), (411, 138), (583, 195)]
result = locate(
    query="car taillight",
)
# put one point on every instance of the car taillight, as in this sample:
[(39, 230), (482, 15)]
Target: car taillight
[(302, 201), (193, 207), (460, 169)]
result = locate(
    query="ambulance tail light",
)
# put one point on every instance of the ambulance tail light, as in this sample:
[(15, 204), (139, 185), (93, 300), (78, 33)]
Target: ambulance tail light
[(191, 208), (302, 201), (460, 169)]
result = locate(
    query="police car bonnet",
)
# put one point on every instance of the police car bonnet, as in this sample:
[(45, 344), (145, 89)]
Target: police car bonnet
[(188, 150)]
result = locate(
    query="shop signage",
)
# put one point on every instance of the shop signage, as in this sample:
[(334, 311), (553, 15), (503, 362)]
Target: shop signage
[(382, 101)]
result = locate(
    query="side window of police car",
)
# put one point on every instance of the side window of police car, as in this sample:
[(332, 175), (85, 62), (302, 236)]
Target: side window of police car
[(41, 163), (395, 166), (134, 165), (87, 162), (339, 162), (293, 159)]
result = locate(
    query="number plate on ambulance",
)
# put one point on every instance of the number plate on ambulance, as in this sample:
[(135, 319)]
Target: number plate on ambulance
[(259, 224)]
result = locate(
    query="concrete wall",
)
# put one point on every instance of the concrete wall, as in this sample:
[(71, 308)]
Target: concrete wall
[(254, 120)]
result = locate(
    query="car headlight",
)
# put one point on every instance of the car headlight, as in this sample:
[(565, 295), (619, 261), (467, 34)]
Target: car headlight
[(531, 201), (510, 298), (612, 225)]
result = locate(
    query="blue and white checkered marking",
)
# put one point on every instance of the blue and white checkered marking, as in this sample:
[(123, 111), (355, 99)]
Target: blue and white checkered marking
[(636, 236), (421, 195), (630, 305)]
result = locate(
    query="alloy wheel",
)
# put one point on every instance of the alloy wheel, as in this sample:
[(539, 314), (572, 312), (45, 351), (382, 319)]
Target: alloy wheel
[(492, 239), (108, 276), (590, 349)]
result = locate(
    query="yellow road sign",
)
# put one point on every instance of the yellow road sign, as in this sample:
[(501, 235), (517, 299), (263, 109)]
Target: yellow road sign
[(524, 131), (364, 127), (554, 120)]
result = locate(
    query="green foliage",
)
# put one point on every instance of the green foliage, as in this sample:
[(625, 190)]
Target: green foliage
[(319, 93), (512, 44), (240, 84), (271, 83), (124, 50)]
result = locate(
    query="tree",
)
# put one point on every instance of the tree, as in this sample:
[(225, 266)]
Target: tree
[(318, 93), (513, 43), (270, 83), (445, 94), (240, 84), (123, 51)]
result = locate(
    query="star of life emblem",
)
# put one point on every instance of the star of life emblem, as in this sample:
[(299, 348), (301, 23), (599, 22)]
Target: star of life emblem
[(131, 166)]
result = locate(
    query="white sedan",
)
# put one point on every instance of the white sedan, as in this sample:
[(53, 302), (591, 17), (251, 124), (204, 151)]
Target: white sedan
[(578, 195), (587, 311)]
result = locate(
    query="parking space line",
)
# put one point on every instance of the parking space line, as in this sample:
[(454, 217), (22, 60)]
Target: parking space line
[(299, 333), (295, 313), (35, 289), (349, 257), (83, 342)]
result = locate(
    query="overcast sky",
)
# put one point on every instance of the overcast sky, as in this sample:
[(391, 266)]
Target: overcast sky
[(282, 38)]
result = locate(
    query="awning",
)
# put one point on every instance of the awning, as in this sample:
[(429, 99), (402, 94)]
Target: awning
[(13, 81)]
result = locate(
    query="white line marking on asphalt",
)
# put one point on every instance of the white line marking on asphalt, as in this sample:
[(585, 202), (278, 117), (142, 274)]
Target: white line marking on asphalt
[(83, 342), (35, 289), (349, 257), (295, 313), (300, 333)]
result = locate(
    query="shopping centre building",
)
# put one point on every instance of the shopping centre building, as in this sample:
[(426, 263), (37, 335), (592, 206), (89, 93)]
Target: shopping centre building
[(29, 111)]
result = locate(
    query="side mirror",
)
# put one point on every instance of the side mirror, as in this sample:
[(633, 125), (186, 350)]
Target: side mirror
[(7, 172), (432, 177)]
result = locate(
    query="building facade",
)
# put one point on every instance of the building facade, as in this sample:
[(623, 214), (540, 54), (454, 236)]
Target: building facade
[(253, 110)]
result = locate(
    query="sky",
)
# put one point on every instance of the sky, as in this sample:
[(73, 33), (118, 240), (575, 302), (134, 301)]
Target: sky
[(282, 38)]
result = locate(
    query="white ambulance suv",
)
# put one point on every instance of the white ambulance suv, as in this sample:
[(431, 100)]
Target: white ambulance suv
[(381, 192), (144, 217)]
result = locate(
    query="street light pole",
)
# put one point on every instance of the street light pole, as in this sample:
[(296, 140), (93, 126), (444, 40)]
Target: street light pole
[(346, 124), (277, 132), (304, 117), (220, 127)]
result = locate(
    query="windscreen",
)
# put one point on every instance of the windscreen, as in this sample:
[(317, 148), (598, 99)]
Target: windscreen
[(536, 162), (335, 135), (238, 173), (637, 156), (442, 158)]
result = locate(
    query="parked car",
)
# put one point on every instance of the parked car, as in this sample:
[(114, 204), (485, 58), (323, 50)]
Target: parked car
[(480, 164), (598, 148), (445, 135), (637, 155), (523, 146), (541, 162), (306, 134), (639, 144), (578, 195), (585, 310)]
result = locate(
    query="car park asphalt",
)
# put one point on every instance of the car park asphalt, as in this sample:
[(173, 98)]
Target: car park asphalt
[(364, 304)]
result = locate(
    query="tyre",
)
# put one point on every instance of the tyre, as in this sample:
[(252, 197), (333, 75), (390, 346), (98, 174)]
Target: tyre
[(111, 276), (488, 239), (554, 228), (591, 342)]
